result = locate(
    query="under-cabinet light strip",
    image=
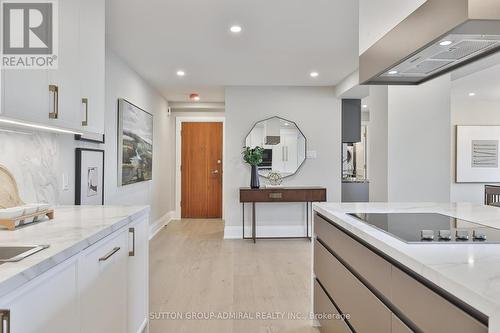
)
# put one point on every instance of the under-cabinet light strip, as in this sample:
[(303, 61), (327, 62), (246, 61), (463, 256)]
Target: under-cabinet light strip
[(41, 127)]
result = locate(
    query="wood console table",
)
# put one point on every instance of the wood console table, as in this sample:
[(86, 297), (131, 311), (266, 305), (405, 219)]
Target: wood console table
[(308, 195)]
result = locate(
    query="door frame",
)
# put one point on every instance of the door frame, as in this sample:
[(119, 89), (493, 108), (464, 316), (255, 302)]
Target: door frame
[(178, 155)]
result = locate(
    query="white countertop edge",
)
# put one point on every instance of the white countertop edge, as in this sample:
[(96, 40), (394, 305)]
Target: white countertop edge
[(388, 245), (41, 266)]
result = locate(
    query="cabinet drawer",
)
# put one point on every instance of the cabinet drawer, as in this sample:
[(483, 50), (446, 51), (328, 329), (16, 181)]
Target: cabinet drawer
[(367, 312), (372, 267), (103, 285), (283, 195), (323, 306), (428, 310)]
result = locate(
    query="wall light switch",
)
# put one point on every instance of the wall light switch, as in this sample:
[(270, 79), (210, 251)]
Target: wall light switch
[(312, 154), (65, 182)]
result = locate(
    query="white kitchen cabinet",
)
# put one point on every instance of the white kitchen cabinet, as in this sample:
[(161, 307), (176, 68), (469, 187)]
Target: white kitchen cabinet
[(138, 276), (25, 95), (79, 78), (286, 153), (92, 65), (65, 77), (103, 285), (47, 304)]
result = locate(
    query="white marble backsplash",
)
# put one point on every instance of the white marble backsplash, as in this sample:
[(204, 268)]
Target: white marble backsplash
[(34, 160)]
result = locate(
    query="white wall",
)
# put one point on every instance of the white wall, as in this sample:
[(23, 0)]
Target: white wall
[(377, 143), (376, 18), (317, 112), (419, 123), (123, 82), (39, 159), (470, 111)]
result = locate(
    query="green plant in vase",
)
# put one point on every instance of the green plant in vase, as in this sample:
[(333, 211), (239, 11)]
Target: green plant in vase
[(253, 156)]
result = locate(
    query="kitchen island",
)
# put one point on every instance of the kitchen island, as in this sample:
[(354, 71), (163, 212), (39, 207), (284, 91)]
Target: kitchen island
[(404, 287), (93, 277)]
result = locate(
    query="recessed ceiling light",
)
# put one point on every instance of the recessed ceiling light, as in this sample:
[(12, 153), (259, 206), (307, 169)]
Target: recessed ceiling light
[(445, 43), (472, 94), (314, 74), (194, 97), (364, 106), (287, 124), (393, 72), (235, 29), (181, 73)]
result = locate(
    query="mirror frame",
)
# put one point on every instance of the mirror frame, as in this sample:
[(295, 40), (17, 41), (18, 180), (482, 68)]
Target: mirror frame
[(300, 131)]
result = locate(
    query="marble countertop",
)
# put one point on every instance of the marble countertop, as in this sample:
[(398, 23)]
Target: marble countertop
[(471, 272), (73, 229)]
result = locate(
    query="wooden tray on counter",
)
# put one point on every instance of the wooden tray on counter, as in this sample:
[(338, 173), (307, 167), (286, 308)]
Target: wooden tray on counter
[(9, 197), (11, 224)]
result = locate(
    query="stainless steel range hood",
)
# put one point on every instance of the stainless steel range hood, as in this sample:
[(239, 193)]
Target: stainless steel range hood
[(440, 36)]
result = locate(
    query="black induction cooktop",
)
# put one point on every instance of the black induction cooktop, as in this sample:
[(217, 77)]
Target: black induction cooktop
[(430, 228)]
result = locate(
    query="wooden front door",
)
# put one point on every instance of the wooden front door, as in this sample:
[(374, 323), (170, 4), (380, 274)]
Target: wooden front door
[(201, 170)]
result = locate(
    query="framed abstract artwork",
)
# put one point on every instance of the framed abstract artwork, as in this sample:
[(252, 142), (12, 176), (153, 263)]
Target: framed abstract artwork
[(89, 177), (135, 144), (477, 159)]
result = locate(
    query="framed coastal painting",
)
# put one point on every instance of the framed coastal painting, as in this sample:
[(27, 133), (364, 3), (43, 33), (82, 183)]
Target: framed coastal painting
[(89, 175), (135, 144), (477, 159)]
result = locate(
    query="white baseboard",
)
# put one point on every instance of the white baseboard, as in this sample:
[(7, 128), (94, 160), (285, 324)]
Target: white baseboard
[(160, 223), (236, 232)]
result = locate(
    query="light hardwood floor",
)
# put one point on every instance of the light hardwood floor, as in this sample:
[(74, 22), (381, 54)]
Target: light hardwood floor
[(192, 269)]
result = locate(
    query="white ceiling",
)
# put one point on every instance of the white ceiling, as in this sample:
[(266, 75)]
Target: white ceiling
[(281, 43), (481, 78)]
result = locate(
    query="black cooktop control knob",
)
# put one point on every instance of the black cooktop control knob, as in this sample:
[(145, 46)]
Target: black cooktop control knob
[(462, 235), (479, 235), (445, 235), (427, 235)]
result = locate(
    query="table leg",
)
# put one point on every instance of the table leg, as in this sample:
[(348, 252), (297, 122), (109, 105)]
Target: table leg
[(243, 220), (253, 222), (307, 219)]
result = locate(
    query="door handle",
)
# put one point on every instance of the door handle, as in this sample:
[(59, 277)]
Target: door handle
[(110, 254), (5, 321), (55, 98), (214, 172), (85, 101), (132, 253)]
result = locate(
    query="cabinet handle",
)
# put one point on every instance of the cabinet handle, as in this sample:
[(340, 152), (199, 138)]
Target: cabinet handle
[(132, 253), (55, 95), (277, 195), (85, 101), (5, 321), (107, 256)]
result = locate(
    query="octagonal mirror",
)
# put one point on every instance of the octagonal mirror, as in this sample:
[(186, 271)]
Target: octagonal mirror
[(284, 146)]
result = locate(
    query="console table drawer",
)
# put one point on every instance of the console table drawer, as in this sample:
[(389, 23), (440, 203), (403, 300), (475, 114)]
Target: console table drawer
[(367, 313), (323, 306), (428, 310), (283, 195), (375, 269)]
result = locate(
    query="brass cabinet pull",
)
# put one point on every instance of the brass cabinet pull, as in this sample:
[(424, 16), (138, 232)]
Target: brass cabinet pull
[(132, 253), (85, 101), (55, 95), (107, 256), (275, 195), (4, 321)]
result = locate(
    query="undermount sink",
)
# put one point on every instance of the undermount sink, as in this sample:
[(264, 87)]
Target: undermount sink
[(18, 253)]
